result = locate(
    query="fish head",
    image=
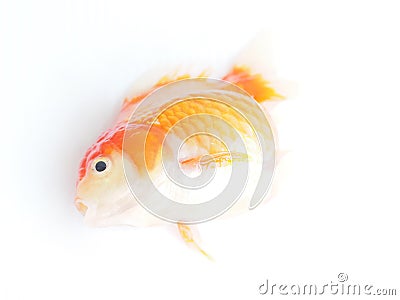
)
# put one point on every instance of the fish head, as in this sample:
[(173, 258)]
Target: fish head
[(103, 189), (103, 194)]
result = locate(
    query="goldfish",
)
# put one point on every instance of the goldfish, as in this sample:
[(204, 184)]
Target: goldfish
[(179, 129)]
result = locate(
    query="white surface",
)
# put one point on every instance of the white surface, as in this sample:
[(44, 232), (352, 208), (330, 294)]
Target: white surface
[(65, 68)]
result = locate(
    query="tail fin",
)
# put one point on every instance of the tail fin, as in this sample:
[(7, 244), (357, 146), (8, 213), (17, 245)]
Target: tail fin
[(254, 84), (254, 71)]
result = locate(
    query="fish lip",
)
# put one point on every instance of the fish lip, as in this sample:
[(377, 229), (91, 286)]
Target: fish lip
[(83, 209), (80, 206)]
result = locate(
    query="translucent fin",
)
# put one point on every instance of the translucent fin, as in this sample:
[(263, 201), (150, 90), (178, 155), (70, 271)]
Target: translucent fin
[(186, 234), (257, 59), (255, 84), (220, 158)]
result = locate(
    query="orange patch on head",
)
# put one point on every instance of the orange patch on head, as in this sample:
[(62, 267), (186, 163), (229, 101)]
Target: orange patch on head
[(113, 139), (109, 141)]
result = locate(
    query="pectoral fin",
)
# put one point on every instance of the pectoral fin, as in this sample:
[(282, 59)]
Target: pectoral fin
[(221, 159)]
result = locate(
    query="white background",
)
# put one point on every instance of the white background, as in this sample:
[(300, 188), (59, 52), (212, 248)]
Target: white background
[(65, 67)]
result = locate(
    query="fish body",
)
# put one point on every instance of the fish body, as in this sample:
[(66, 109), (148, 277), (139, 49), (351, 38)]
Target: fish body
[(104, 195)]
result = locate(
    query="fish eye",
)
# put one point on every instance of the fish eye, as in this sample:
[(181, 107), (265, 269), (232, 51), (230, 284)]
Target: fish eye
[(101, 165)]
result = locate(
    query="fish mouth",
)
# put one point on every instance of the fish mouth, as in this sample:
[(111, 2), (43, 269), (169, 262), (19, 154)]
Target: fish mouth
[(80, 206), (96, 215)]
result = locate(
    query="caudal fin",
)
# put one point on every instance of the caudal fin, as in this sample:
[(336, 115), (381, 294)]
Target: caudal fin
[(254, 71), (254, 84)]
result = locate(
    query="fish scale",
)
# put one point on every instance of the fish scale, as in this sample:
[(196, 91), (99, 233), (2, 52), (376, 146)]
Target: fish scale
[(193, 107)]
